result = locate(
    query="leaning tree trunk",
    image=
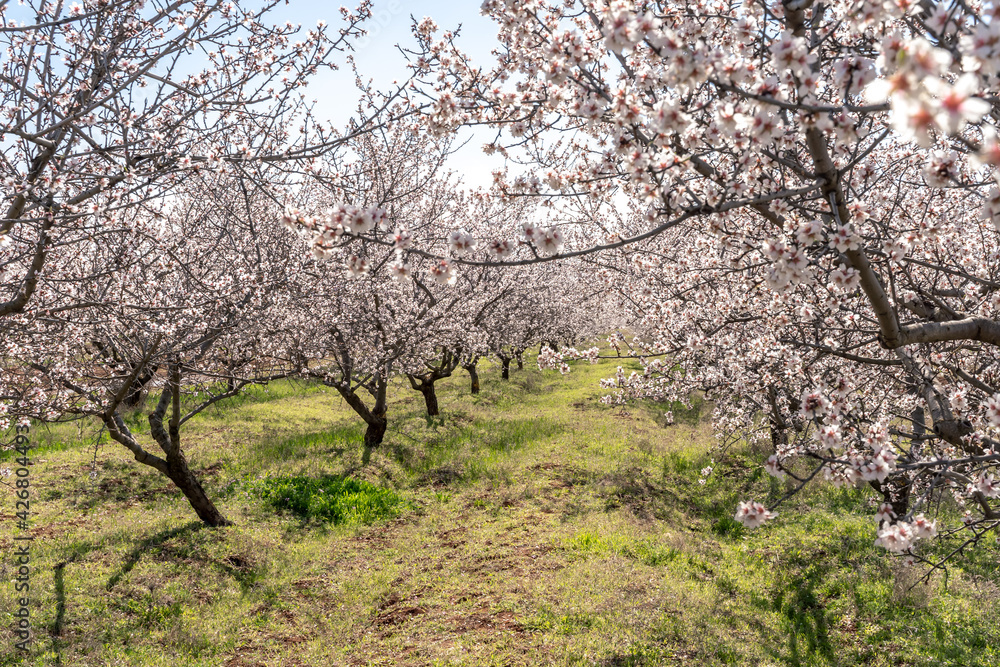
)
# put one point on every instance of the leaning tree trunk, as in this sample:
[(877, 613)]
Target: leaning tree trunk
[(430, 398), (424, 382), (170, 442), (505, 368), (375, 432), (176, 469), (181, 475), (473, 376), (174, 466), (375, 417)]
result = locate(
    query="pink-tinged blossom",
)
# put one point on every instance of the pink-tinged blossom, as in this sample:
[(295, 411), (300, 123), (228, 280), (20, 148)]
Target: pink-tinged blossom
[(669, 117), (876, 469), (550, 241), (399, 270), (923, 58), (841, 476), (354, 220), (549, 359), (789, 52), (443, 272), (460, 242), (530, 231), (913, 118), (987, 485), (621, 29), (896, 86), (844, 239), (991, 207), (923, 528), (993, 410), (959, 400), (706, 472), (503, 248), (402, 239), (763, 126), (853, 73), (753, 514), (941, 170), (357, 266), (813, 404), (380, 217), (942, 20), (844, 279), (829, 435), (896, 538), (885, 513), (955, 106), (809, 232), (981, 48), (292, 218), (773, 466), (989, 150)]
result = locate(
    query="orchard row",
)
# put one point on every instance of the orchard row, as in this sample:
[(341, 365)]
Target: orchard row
[(792, 204)]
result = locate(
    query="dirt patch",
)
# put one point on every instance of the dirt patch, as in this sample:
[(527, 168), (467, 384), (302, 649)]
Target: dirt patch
[(397, 615), (483, 619)]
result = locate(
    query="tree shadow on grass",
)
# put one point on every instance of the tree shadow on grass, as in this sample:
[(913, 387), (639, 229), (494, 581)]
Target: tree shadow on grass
[(57, 624), (459, 448), (335, 440), (144, 546), (804, 620)]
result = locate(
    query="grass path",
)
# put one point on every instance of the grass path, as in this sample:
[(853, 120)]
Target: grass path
[(537, 527)]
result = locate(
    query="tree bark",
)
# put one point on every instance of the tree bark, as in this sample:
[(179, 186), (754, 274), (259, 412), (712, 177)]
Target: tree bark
[(375, 418), (473, 376), (779, 437), (181, 475), (895, 490), (424, 382), (430, 398), (375, 432), (173, 465), (134, 397), (169, 441), (505, 368), (776, 422), (519, 355)]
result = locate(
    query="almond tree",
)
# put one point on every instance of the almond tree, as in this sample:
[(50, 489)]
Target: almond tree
[(184, 304), (141, 144), (105, 105), (827, 167), (369, 315)]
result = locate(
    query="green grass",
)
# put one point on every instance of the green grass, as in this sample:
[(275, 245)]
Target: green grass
[(328, 499), (528, 525)]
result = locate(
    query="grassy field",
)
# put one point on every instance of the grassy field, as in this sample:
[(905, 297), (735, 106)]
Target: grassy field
[(529, 525)]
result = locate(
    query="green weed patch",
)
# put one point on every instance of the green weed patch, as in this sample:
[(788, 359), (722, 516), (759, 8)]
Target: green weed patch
[(329, 499)]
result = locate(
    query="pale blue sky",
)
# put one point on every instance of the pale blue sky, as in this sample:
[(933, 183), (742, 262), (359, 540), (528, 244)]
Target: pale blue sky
[(378, 59)]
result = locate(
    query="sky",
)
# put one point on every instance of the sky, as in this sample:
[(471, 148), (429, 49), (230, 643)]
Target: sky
[(379, 59)]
